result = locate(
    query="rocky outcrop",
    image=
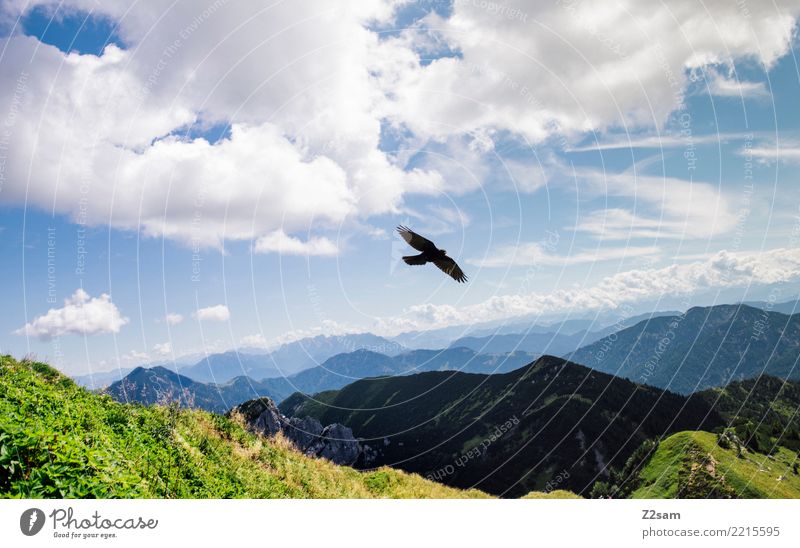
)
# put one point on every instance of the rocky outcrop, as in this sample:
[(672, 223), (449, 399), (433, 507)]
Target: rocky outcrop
[(334, 442)]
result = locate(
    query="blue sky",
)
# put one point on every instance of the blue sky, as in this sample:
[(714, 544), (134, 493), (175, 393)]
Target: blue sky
[(566, 180)]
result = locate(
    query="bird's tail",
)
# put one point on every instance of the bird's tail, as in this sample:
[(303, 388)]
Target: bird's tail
[(415, 259)]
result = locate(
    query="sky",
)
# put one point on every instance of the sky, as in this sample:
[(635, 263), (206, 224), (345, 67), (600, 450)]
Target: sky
[(189, 177)]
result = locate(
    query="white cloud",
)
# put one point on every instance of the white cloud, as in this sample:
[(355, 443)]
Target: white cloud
[(173, 318), (134, 357), (81, 315), (217, 313), (280, 242), (730, 86), (327, 328), (667, 207), (622, 224), (163, 349), (102, 138), (787, 151), (658, 141), (720, 270), (526, 177), (533, 254), (255, 341), (571, 67)]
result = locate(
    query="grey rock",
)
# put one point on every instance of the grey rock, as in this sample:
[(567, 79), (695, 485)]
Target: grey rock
[(334, 442), (302, 432), (340, 446)]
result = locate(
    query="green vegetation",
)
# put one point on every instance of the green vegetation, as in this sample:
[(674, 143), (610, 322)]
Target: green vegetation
[(763, 412), (557, 494), (60, 440), (623, 482), (694, 465), (507, 434)]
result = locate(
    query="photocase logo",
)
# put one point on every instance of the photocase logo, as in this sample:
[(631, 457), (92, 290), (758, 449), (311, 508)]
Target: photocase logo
[(31, 521)]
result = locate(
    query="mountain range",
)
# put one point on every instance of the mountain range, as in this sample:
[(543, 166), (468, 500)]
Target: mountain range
[(163, 386), (287, 359), (506, 434), (703, 348)]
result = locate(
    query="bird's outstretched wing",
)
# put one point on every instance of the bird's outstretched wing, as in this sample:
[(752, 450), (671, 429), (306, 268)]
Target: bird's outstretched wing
[(449, 267), (415, 240)]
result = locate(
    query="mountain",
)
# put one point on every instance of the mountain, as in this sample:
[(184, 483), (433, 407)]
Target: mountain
[(564, 327), (550, 424), (605, 323), (788, 307), (58, 440), (703, 348), (753, 454), (432, 338), (343, 369), (333, 442), (287, 359), (554, 339), (536, 343), (219, 368), (763, 412), (696, 465), (163, 386), (159, 385), (101, 379)]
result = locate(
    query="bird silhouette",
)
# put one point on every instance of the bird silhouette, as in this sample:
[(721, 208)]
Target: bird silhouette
[(430, 254)]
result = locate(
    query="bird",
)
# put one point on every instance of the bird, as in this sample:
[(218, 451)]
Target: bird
[(430, 254)]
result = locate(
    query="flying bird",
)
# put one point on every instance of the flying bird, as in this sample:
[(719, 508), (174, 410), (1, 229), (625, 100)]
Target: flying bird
[(430, 254)]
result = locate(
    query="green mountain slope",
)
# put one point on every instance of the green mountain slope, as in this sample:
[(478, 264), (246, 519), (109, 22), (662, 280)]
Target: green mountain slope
[(763, 412), (703, 348), (761, 427), (60, 440), (693, 465), (507, 434)]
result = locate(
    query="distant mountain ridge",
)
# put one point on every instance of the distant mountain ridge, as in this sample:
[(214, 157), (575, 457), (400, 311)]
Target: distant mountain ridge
[(703, 348), (159, 385), (554, 339), (163, 386), (288, 359)]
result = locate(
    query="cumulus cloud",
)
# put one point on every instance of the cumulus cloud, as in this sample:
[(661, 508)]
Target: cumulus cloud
[(327, 328), (104, 138), (570, 67), (163, 349), (720, 270), (534, 253), (173, 318), (80, 315), (256, 340), (280, 242), (217, 313)]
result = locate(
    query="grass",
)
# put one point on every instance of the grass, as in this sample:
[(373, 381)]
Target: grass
[(60, 440), (693, 465), (556, 494)]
